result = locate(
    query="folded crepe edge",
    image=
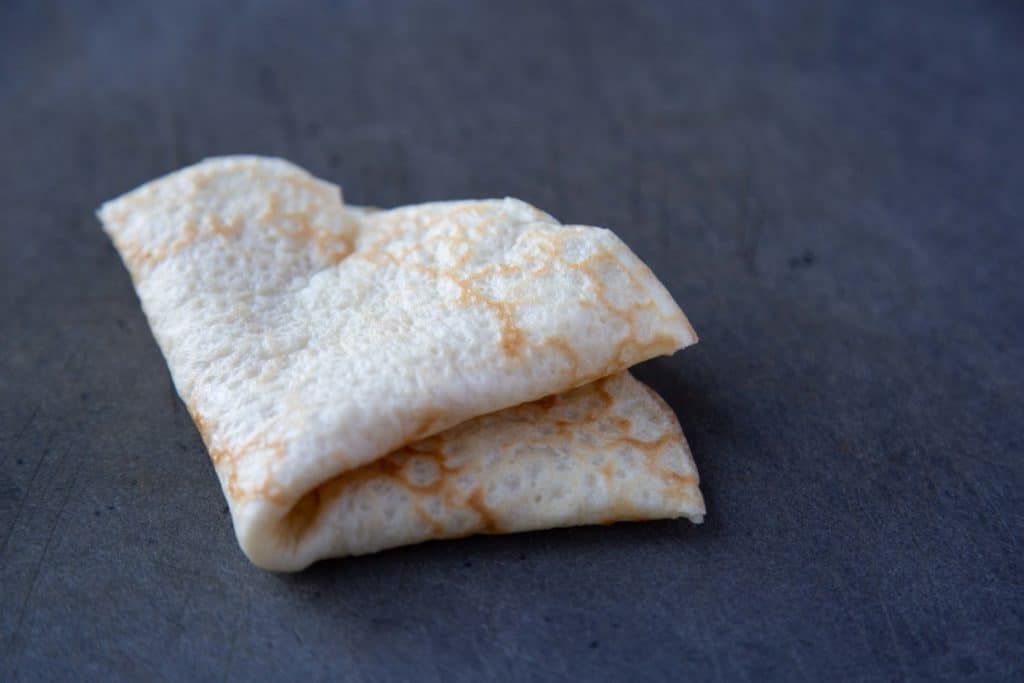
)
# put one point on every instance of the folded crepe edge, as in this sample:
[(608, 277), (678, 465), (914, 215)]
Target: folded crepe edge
[(631, 479)]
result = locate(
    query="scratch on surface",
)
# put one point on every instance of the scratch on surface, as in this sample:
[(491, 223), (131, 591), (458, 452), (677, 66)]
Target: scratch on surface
[(46, 547), (751, 223), (179, 570), (73, 356), (232, 646), (892, 634), (24, 498), (21, 432)]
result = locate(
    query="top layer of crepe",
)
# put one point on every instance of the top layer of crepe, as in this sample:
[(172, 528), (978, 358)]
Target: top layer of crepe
[(308, 339)]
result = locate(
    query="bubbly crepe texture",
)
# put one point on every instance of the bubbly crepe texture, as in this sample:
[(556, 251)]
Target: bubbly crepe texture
[(309, 340)]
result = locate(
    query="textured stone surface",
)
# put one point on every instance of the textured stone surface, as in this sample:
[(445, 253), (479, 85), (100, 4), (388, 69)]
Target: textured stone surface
[(833, 192)]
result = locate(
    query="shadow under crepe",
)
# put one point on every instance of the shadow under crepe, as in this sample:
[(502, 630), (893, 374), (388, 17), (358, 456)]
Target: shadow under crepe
[(572, 576)]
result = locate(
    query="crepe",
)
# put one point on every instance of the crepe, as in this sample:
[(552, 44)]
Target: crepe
[(309, 340)]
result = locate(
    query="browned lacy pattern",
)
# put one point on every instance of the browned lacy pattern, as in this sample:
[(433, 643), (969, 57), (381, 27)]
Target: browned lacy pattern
[(309, 340), (606, 452)]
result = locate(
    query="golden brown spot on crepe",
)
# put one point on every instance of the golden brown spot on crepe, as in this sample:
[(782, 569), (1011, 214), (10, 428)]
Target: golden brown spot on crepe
[(511, 336), (648, 447), (270, 209), (232, 487), (137, 256), (621, 423), (680, 480), (201, 425), (631, 347), (559, 343), (605, 399), (432, 486), (295, 226), (585, 266), (608, 470), (218, 455), (488, 523), (436, 527), (492, 269), (225, 460), (678, 485), (212, 225), (437, 486), (622, 510)]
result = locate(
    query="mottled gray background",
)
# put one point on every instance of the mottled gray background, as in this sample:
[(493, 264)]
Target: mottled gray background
[(832, 190)]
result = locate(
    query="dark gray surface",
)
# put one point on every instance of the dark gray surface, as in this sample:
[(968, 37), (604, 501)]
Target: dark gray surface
[(832, 191)]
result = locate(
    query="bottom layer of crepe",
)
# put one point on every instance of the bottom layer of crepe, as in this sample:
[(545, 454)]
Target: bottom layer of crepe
[(606, 452)]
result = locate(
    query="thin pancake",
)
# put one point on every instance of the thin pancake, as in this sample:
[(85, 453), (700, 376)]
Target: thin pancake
[(308, 340)]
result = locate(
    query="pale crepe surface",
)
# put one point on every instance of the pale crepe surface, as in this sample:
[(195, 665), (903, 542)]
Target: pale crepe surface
[(309, 340)]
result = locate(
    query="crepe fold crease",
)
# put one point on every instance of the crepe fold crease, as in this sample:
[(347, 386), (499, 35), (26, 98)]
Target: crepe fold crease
[(366, 379)]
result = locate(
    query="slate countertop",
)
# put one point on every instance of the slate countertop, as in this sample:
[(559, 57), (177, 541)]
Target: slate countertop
[(833, 191)]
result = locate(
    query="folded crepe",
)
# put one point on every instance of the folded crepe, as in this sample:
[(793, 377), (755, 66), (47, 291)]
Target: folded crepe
[(365, 379)]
